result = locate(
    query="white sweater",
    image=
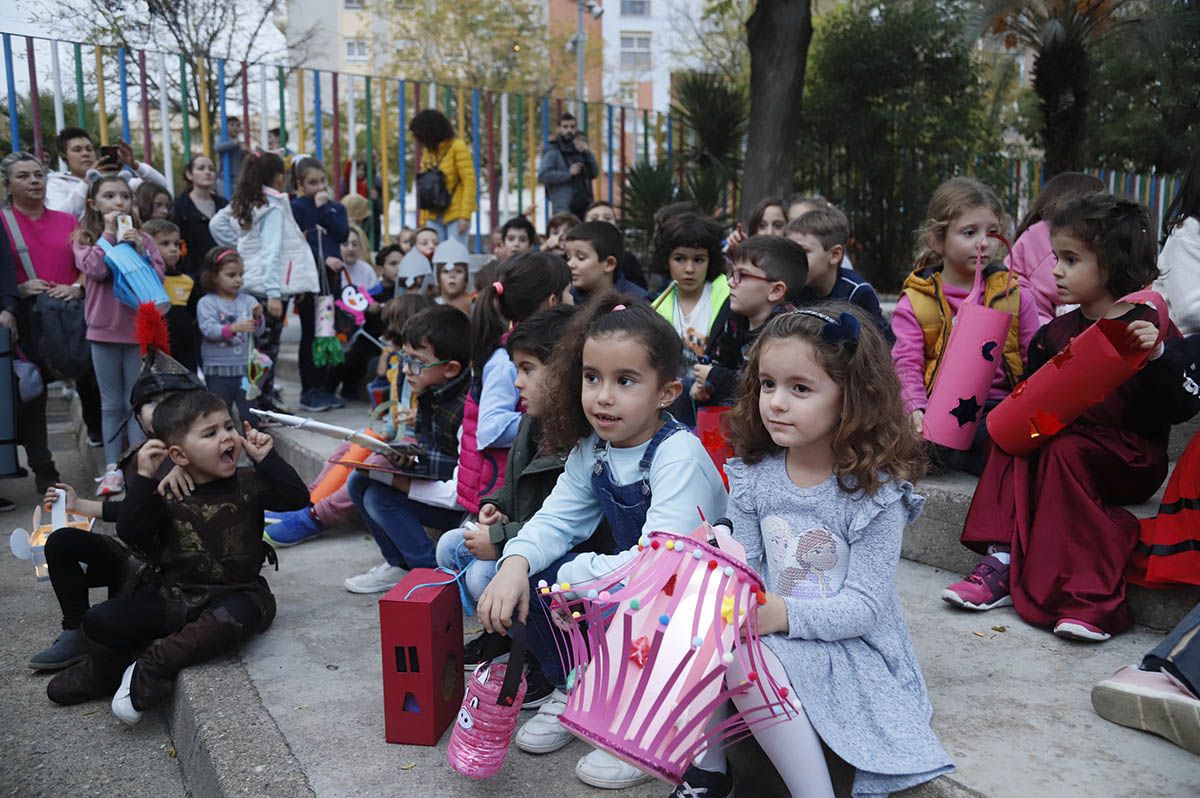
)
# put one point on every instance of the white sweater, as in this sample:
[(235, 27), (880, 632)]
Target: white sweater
[(1179, 275)]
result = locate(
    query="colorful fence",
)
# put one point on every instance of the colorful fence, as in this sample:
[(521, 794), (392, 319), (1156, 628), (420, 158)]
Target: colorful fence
[(524, 122), (1154, 191)]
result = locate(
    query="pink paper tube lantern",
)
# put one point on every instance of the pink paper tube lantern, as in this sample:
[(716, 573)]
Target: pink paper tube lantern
[(1094, 364), (975, 349), (973, 353), (662, 631)]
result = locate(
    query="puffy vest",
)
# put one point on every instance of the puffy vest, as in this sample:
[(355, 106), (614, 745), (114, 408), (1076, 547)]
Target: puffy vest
[(296, 268), (479, 473), (665, 303), (924, 290)]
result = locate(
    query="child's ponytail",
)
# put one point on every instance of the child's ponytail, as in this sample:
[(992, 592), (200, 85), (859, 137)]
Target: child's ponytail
[(522, 288), (258, 171)]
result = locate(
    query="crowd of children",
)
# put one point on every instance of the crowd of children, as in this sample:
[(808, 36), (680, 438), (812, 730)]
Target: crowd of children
[(543, 408)]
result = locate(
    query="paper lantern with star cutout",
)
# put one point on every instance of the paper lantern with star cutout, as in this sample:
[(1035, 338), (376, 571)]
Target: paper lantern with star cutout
[(972, 355), (1086, 371)]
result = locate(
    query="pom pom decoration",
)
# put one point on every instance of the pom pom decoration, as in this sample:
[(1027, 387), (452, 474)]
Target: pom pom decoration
[(150, 330), (648, 682)]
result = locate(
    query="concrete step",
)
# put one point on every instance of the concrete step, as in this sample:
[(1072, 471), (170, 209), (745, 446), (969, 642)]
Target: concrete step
[(1003, 692)]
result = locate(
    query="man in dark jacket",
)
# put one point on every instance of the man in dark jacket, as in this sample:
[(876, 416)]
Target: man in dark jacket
[(567, 169)]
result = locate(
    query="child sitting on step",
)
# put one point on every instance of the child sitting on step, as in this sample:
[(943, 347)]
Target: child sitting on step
[(205, 594), (819, 498), (1055, 537), (397, 508)]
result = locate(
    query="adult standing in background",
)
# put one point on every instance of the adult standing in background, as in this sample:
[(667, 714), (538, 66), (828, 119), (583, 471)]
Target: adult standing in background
[(567, 169), (449, 154), (194, 208)]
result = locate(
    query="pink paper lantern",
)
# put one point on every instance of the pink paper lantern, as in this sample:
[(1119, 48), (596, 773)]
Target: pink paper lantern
[(969, 362), (660, 645)]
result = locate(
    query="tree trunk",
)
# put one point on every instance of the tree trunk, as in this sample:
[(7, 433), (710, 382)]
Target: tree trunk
[(1062, 79), (778, 34)]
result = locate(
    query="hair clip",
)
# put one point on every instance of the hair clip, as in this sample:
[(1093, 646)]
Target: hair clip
[(615, 308), (843, 329), (498, 287)]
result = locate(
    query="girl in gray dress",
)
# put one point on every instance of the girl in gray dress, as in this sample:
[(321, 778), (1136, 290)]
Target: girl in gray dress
[(819, 495)]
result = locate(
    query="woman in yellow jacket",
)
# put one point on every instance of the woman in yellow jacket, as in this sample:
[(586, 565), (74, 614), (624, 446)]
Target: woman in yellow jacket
[(440, 148)]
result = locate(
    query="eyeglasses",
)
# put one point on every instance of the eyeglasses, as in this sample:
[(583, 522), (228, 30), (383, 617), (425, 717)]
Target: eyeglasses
[(415, 367), (738, 275)]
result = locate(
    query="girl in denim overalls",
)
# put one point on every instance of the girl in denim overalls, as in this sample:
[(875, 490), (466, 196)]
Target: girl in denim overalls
[(631, 464)]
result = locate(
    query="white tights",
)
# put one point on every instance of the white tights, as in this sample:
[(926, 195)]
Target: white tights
[(792, 746)]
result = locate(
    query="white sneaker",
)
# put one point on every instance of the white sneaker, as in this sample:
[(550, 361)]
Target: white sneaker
[(602, 769), (543, 734), (381, 578), (122, 703), (112, 483)]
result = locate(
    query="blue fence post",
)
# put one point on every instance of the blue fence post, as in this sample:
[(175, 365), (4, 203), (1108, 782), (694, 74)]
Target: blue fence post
[(610, 154), (227, 156), (13, 125), (475, 142)]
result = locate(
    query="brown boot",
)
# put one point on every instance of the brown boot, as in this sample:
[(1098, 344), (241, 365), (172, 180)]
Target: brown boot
[(213, 633), (98, 676)]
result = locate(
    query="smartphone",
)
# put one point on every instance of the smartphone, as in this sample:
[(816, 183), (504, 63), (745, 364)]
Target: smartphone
[(124, 225), (111, 152)]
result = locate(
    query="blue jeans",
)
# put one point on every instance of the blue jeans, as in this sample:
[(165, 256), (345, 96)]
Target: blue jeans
[(398, 523), (117, 367), (452, 553), (448, 228)]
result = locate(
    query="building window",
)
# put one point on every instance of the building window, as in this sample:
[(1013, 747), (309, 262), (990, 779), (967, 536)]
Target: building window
[(352, 5), (356, 49), (635, 8), (627, 94), (635, 52)]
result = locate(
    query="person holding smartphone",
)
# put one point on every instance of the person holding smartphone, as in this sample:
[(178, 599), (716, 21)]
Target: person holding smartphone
[(67, 191)]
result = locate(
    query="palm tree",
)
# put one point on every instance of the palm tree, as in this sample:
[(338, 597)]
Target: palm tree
[(1062, 35)]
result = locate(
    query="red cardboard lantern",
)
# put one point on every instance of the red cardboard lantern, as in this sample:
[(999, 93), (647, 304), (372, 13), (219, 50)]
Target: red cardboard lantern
[(710, 428), (421, 634), (1094, 364)]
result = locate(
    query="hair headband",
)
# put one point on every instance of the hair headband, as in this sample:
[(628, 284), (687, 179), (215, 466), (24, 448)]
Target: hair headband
[(498, 287), (223, 254), (843, 329)]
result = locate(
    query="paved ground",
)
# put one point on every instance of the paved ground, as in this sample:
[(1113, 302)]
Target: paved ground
[(52, 751), (1012, 706)]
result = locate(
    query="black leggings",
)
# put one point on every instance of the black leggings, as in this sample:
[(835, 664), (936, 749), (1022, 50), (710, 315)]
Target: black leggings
[(67, 550), (130, 622)]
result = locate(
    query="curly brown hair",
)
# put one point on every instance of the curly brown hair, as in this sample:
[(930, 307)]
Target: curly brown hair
[(874, 441), (258, 172), (565, 423)]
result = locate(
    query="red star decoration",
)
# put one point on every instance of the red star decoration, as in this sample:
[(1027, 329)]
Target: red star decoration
[(1020, 389), (669, 587), (1043, 423), (639, 651), (1062, 357)]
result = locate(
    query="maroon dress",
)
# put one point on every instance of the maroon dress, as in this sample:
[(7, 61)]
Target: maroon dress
[(1060, 508)]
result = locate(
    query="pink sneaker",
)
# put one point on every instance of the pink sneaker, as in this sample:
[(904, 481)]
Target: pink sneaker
[(1150, 701), (985, 589), (1072, 629)]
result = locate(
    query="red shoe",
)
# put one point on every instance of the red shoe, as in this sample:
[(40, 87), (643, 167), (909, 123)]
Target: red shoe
[(985, 589), (1072, 629)]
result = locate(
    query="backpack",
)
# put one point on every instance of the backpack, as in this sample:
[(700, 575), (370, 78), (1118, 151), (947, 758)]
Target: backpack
[(432, 194)]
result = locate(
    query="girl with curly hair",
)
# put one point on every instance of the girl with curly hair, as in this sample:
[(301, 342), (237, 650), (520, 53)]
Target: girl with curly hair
[(827, 462)]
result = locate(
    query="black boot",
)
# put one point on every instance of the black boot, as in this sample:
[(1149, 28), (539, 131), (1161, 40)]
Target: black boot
[(213, 633), (98, 676)]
